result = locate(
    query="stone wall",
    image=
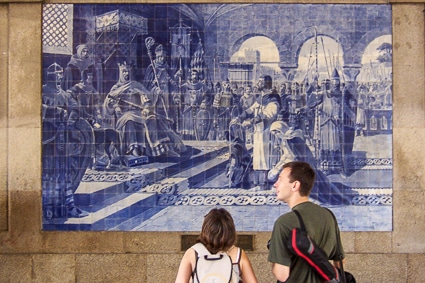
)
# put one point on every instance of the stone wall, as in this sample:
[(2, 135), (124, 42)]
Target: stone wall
[(28, 254)]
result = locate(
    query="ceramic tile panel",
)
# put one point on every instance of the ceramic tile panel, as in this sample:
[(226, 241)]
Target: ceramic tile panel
[(155, 113)]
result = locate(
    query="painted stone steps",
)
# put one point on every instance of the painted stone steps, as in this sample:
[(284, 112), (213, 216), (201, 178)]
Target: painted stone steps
[(113, 197)]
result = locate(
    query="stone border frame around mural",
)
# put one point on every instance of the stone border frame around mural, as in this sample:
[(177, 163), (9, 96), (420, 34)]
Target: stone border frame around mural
[(152, 113), (3, 125)]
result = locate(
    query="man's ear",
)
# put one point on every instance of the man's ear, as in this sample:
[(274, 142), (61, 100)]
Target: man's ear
[(296, 186)]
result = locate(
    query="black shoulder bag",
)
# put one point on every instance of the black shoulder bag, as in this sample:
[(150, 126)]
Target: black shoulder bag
[(300, 244)]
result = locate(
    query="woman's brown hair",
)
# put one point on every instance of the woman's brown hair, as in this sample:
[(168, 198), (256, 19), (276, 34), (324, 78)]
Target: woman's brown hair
[(218, 231)]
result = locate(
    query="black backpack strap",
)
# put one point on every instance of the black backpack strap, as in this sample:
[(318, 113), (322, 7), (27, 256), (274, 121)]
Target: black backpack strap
[(338, 244), (300, 219), (196, 264), (194, 269)]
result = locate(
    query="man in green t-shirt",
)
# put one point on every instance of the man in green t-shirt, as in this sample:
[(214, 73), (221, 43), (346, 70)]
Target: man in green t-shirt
[(293, 187)]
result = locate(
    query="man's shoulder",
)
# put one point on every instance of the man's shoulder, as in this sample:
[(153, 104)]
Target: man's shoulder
[(311, 207), (308, 205), (288, 219), (313, 213)]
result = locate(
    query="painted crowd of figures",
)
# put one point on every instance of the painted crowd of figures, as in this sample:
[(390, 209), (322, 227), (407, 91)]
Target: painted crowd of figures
[(265, 125)]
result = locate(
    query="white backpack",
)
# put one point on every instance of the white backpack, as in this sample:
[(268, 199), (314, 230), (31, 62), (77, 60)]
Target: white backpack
[(212, 268)]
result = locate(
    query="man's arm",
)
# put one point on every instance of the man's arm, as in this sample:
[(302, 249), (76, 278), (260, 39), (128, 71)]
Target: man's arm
[(280, 272), (337, 263)]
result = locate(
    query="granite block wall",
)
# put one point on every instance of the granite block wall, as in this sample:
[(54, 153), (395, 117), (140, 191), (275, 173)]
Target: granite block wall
[(28, 254)]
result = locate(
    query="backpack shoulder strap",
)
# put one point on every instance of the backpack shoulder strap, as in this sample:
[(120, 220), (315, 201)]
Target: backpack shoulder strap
[(300, 219), (200, 249), (337, 233), (338, 244)]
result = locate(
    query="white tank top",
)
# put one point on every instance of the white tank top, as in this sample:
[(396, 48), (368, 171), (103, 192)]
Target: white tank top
[(236, 265)]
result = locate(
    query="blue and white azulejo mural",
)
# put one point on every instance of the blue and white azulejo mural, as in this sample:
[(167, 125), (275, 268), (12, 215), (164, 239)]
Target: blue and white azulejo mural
[(153, 114)]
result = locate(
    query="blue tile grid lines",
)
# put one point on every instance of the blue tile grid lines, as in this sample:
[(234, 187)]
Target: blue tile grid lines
[(153, 114)]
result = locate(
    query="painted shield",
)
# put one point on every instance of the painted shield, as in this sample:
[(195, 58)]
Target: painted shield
[(203, 122)]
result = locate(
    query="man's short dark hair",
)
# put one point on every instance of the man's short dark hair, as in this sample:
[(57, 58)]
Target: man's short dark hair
[(302, 172)]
